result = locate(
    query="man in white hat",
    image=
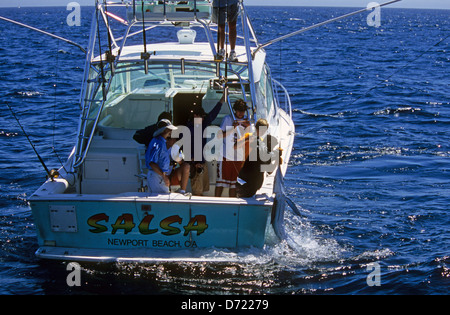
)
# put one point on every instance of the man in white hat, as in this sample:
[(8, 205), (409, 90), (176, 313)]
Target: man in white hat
[(157, 158)]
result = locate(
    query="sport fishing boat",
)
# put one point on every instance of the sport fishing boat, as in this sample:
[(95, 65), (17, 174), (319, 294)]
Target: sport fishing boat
[(98, 207)]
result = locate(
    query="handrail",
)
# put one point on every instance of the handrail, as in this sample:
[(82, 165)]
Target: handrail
[(82, 156), (287, 105), (81, 150)]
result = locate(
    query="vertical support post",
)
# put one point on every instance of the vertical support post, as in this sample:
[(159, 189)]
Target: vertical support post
[(164, 10), (183, 66), (249, 62), (195, 9)]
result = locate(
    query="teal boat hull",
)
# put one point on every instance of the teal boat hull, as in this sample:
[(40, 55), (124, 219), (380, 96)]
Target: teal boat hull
[(147, 226)]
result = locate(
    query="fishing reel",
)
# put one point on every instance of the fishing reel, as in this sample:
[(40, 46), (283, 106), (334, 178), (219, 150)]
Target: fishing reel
[(217, 84), (52, 174)]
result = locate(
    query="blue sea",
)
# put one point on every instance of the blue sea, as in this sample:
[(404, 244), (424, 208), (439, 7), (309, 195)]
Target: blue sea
[(370, 169)]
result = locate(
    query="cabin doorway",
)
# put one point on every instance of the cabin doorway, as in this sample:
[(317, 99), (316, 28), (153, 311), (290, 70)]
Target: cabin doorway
[(183, 103)]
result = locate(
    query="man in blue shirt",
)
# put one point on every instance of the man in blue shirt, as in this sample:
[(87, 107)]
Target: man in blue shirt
[(226, 10), (157, 158)]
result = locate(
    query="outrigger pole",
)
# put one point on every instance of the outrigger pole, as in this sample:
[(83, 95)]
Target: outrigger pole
[(319, 25), (44, 32)]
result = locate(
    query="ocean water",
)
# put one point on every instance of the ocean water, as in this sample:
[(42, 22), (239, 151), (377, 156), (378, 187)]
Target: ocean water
[(370, 167)]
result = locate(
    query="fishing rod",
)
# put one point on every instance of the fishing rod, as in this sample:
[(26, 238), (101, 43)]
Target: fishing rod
[(52, 174), (45, 33), (102, 70), (145, 55), (109, 54), (305, 29)]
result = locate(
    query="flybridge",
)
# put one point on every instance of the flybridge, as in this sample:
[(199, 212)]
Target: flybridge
[(118, 67), (148, 15), (170, 10)]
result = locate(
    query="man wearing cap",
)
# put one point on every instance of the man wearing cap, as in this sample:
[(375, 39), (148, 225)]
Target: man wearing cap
[(228, 169), (157, 159), (144, 136)]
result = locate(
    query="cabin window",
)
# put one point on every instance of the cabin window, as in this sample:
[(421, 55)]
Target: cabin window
[(262, 82), (95, 90), (261, 94), (269, 89), (264, 95), (158, 78), (118, 86)]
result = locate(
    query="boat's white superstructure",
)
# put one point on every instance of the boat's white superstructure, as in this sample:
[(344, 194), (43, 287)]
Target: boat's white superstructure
[(99, 208)]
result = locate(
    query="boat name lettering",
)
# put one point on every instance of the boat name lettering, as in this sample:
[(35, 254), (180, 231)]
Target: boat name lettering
[(125, 222)]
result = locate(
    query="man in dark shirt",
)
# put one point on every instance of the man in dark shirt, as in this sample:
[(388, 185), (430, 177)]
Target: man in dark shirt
[(144, 136), (262, 157)]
